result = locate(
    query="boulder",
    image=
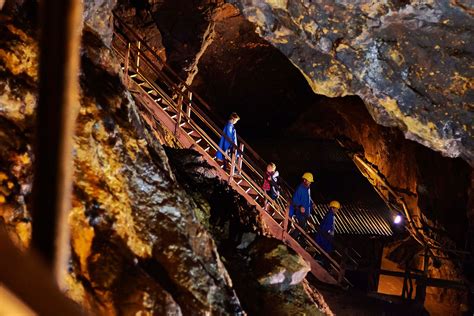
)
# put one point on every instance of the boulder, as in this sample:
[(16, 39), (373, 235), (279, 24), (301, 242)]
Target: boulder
[(277, 265)]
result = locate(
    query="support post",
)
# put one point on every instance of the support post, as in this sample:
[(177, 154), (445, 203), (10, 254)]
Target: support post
[(405, 282), (189, 107), (56, 114), (285, 222), (232, 166), (342, 269), (241, 157), (137, 64), (421, 283)]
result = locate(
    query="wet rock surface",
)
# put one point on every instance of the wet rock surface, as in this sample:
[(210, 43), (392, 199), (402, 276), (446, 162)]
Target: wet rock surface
[(97, 16), (406, 60), (277, 265), (18, 75), (137, 246)]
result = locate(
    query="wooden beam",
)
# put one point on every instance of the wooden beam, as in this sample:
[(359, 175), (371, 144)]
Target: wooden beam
[(433, 282), (56, 113)]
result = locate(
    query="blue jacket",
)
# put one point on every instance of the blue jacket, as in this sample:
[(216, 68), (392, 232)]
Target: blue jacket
[(302, 197), (224, 144), (326, 232)]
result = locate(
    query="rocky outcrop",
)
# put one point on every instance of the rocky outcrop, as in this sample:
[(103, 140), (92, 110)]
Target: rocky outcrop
[(406, 60), (18, 77), (97, 16), (239, 71), (276, 265), (137, 246)]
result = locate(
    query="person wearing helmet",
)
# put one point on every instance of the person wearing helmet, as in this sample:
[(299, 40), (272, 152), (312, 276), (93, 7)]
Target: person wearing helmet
[(301, 201), (300, 207), (325, 234)]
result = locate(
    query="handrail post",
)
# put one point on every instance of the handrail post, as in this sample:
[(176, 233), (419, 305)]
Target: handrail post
[(232, 166), (139, 43), (285, 222), (180, 111), (126, 65), (342, 269), (241, 157), (421, 283), (188, 108)]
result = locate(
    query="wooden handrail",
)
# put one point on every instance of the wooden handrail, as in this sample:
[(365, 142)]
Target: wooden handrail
[(197, 96), (205, 119)]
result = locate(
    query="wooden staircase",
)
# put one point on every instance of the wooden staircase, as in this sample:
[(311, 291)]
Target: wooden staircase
[(164, 99)]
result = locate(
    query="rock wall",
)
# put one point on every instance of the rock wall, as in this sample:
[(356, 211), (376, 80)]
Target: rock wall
[(183, 24), (239, 71), (406, 60)]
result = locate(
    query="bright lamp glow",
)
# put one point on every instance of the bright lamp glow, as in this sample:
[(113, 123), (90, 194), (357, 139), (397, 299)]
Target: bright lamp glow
[(398, 219)]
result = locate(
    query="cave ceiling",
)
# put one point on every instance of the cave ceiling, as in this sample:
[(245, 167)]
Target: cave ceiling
[(410, 62)]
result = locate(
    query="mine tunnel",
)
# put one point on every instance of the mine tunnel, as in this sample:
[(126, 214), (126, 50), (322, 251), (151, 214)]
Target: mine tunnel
[(371, 104)]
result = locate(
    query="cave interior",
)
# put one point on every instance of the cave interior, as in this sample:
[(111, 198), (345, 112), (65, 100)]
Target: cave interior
[(223, 60)]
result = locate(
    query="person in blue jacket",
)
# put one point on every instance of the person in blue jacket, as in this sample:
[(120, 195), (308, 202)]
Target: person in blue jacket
[(300, 208), (228, 141), (325, 235)]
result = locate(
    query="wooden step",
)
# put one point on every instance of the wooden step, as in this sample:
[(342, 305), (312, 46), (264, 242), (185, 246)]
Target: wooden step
[(169, 109), (193, 133), (151, 91)]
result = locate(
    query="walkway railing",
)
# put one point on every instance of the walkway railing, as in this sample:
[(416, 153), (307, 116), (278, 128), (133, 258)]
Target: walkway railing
[(166, 100)]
